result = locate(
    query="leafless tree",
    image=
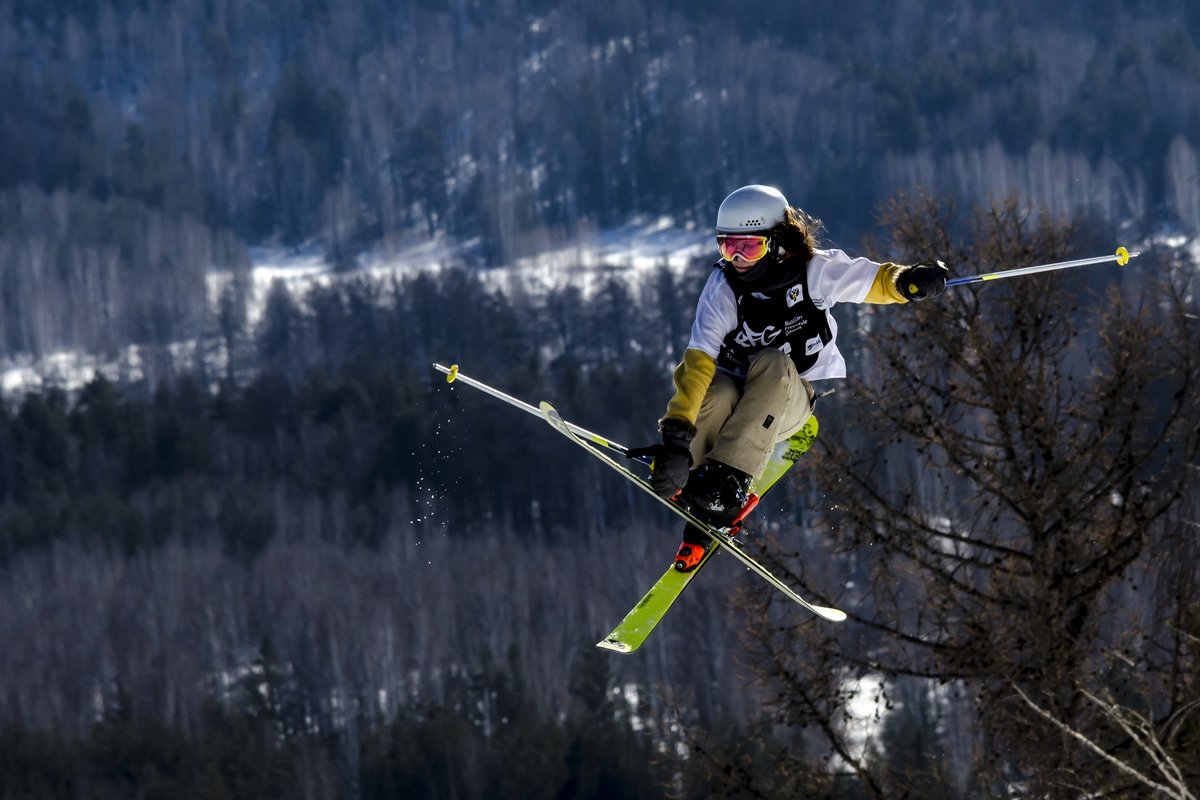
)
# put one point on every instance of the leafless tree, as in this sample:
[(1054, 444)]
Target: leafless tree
[(1006, 488)]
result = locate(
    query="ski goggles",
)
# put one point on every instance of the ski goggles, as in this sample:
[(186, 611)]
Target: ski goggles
[(750, 248)]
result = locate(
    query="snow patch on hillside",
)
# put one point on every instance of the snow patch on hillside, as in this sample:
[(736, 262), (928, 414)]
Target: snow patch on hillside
[(630, 253), (66, 370)]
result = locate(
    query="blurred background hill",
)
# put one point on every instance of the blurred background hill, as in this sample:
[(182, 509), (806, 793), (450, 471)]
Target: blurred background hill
[(251, 545)]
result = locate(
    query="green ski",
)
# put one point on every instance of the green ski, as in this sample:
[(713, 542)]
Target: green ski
[(641, 621), (636, 627), (719, 537)]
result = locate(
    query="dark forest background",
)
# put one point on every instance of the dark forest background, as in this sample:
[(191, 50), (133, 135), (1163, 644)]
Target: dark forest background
[(282, 557)]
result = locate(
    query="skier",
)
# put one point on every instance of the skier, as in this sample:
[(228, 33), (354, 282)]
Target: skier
[(762, 334)]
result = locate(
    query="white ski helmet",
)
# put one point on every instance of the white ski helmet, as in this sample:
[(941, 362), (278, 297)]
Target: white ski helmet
[(751, 209)]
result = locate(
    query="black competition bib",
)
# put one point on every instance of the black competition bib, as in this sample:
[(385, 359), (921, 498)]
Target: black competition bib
[(784, 318)]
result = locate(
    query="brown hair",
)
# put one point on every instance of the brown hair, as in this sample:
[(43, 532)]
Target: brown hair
[(798, 233)]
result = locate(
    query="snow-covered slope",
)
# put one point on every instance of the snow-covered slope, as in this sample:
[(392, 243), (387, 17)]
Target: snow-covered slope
[(630, 252)]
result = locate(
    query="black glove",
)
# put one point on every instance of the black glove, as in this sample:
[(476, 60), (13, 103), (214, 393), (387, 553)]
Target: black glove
[(672, 458), (922, 281)]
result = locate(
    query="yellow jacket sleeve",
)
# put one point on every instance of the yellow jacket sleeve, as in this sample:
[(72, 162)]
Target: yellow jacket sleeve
[(692, 379), (884, 290)]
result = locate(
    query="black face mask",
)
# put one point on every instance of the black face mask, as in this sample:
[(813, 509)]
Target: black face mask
[(769, 273)]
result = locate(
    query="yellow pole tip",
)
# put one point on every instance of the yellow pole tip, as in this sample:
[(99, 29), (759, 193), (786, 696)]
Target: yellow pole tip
[(1122, 256), (452, 374)]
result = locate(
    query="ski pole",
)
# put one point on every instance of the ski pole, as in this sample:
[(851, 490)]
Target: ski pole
[(1122, 258), (452, 374)]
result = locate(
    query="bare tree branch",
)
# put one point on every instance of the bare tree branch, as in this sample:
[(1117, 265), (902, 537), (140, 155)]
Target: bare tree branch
[(1100, 751)]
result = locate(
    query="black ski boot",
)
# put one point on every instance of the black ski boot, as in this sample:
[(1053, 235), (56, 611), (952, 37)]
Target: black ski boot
[(715, 493)]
